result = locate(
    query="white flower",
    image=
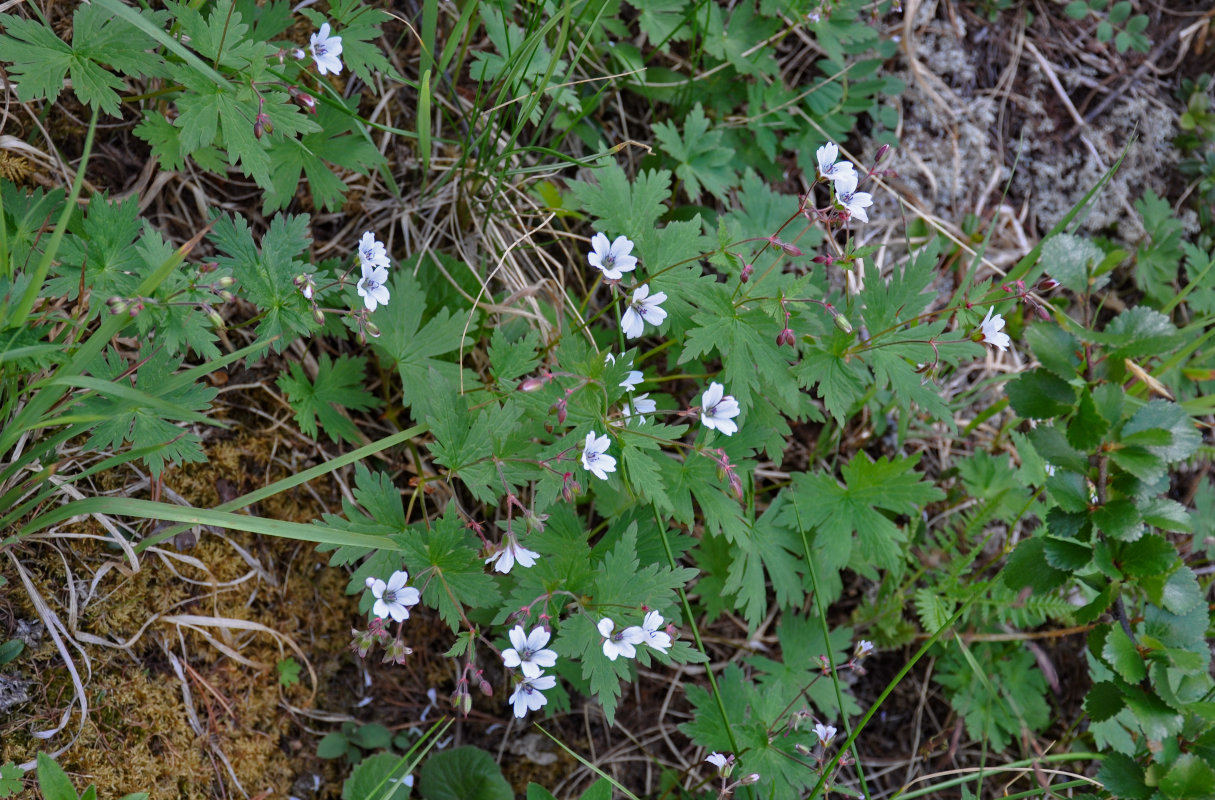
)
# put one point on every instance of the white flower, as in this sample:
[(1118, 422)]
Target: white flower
[(510, 552), (854, 202), (723, 761), (327, 51), (371, 286), (299, 54), (528, 697), (392, 599), (651, 626), (595, 458), (992, 327), (643, 309), (642, 405), (718, 411), (528, 653), (863, 648), (828, 167), (631, 380), (613, 260), (621, 643), (825, 733), (372, 251)]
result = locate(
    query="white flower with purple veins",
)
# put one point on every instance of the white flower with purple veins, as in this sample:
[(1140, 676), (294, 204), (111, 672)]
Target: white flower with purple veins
[(863, 648), (642, 405), (511, 552), (828, 167), (613, 260), (595, 458), (718, 410), (631, 379), (992, 327), (393, 598), (372, 251), (723, 761), (528, 653), (655, 637), (642, 309), (854, 202), (371, 287), (620, 643), (825, 733), (326, 50), (528, 697)]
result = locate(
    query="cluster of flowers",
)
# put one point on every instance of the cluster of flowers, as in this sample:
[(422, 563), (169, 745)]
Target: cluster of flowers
[(844, 180), (725, 768), (530, 656), (373, 260), (393, 600)]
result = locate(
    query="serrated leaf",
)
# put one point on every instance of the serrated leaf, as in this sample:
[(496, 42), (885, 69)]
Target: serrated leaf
[(1149, 555), (510, 359), (933, 610), (1069, 490), (1040, 395), (1066, 554), (1188, 778), (1070, 260), (1103, 701), (1123, 656), (338, 385), (1138, 332), (621, 207), (1119, 519), (1170, 417), (443, 561), (1056, 348), (1122, 777), (1153, 715), (702, 160), (1027, 566), (1087, 427), (1181, 593)]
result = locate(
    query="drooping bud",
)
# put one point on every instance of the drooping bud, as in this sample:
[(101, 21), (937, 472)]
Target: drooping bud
[(216, 319), (486, 688), (118, 305), (530, 385), (1048, 285), (209, 266), (373, 330), (790, 249), (226, 282), (318, 316), (745, 275), (842, 323), (785, 337), (747, 780), (225, 295)]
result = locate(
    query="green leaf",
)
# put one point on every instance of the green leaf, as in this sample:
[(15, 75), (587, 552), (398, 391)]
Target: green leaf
[(1069, 490), (1056, 348), (331, 745), (338, 385), (53, 781), (1040, 395), (702, 160), (1122, 655), (1149, 555), (380, 776), (1103, 701), (11, 779), (1066, 554), (1070, 261), (444, 561), (509, 359), (1188, 778), (1139, 332), (1179, 592), (1122, 777), (933, 609), (288, 671), (841, 379), (1077, 9), (1168, 515), (621, 207), (1171, 418), (537, 792), (1119, 519), (1027, 566), (1050, 444), (415, 348), (1087, 427), (1153, 715), (737, 42)]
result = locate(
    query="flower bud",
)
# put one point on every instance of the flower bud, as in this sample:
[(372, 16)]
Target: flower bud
[(530, 385), (226, 296), (318, 316), (226, 282), (801, 749), (373, 330), (463, 703), (842, 323), (1048, 285), (785, 337), (881, 153), (790, 249), (746, 273), (216, 319), (118, 305), (210, 266), (486, 688), (747, 780), (258, 128)]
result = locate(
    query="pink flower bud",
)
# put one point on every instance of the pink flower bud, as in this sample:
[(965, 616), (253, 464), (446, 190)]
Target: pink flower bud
[(1048, 284), (530, 385), (486, 688), (318, 316), (785, 337), (881, 153), (746, 273), (790, 249)]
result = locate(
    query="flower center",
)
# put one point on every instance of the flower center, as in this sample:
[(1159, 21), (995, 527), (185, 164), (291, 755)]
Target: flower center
[(319, 48), (390, 596), (592, 456), (370, 284)]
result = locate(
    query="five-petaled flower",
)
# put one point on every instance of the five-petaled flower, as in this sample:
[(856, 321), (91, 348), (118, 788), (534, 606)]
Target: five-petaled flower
[(614, 259), (595, 458), (828, 167), (510, 552), (326, 50), (992, 327), (854, 202), (372, 251), (371, 287), (863, 648), (642, 405), (527, 696), (651, 628), (718, 409), (643, 308), (619, 643), (393, 598), (528, 653), (723, 761), (825, 733)]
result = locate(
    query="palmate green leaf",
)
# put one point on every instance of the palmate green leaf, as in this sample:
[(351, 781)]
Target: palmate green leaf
[(703, 160), (802, 646), (663, 21), (221, 36), (853, 511), (462, 444), (414, 347), (512, 358), (841, 381), (334, 140), (732, 40), (377, 509), (998, 699), (338, 385), (102, 246), (443, 561), (40, 60), (10, 779), (266, 272), (146, 426), (622, 208), (887, 303), (766, 552)]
